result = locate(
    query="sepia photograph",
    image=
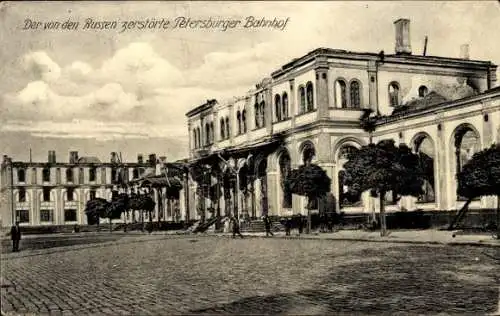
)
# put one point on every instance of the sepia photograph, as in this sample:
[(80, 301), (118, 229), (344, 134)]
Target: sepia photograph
[(250, 158)]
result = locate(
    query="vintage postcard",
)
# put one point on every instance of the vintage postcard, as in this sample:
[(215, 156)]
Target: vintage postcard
[(260, 157)]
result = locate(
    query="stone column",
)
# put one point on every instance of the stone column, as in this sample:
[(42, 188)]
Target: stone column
[(488, 139), (272, 192), (443, 168), (322, 98)]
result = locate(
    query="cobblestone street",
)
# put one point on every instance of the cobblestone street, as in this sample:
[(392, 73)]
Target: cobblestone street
[(218, 275)]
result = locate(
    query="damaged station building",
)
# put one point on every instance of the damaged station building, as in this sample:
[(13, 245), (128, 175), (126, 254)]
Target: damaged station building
[(55, 192), (310, 109)]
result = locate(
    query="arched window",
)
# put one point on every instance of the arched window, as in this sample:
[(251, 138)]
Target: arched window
[(257, 111), (302, 98), (277, 107), (238, 118), (285, 105), (194, 138), (347, 196), (424, 147), (467, 143), (394, 94), (244, 120), (422, 91), (198, 130), (308, 152), (22, 195), (285, 169), (69, 175), (207, 134), (310, 96), (341, 93), (222, 129), (212, 133), (355, 94), (262, 114), (21, 175), (228, 128)]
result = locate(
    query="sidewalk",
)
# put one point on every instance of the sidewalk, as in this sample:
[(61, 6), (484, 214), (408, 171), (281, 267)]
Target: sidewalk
[(428, 236)]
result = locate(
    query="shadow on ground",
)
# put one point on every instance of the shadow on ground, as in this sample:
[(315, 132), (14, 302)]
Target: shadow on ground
[(414, 280), (47, 242)]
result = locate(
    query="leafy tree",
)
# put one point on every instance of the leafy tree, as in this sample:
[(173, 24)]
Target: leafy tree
[(95, 209), (368, 122), (308, 180), (383, 168), (116, 207), (142, 203), (480, 176)]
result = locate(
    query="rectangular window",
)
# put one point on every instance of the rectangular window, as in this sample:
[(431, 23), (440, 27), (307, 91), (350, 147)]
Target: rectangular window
[(23, 216), (46, 174), (80, 176), (46, 194), (21, 175), (69, 175), (22, 195), (92, 194), (92, 175), (113, 175), (70, 194), (46, 215), (70, 215)]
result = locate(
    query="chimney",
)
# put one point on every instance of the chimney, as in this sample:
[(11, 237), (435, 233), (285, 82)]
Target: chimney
[(113, 157), (73, 157), (464, 51), (139, 158), (52, 156), (403, 43)]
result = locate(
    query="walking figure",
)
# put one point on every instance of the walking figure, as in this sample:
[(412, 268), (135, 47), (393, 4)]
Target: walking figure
[(236, 227), (15, 235), (267, 223)]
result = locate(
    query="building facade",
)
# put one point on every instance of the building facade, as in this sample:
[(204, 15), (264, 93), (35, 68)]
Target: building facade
[(55, 193), (445, 109)]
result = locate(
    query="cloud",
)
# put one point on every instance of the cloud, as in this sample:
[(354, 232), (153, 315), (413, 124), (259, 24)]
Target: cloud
[(135, 84), (42, 66)]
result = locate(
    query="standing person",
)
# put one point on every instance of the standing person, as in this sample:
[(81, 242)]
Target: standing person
[(288, 227), (236, 227), (15, 235), (300, 223), (267, 223)]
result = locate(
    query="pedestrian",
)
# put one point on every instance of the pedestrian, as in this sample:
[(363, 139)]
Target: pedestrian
[(300, 223), (267, 223), (15, 235), (236, 227), (288, 227)]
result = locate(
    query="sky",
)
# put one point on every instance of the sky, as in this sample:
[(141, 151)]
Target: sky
[(98, 91)]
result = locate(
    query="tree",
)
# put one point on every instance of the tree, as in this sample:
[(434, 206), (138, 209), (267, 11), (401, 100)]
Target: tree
[(115, 208), (480, 176), (368, 122), (95, 209), (308, 180), (383, 168)]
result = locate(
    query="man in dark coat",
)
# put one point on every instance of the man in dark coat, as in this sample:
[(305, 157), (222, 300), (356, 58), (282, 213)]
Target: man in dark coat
[(15, 235), (267, 223), (236, 227)]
